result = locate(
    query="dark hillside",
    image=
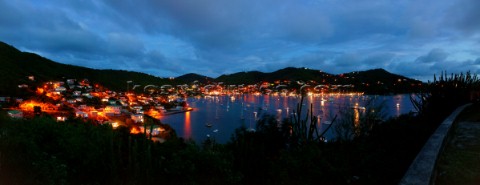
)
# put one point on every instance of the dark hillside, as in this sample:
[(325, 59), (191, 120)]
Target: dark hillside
[(191, 77), (17, 66), (381, 81), (250, 77)]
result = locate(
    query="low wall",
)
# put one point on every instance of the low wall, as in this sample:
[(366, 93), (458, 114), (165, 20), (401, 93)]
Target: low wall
[(421, 171)]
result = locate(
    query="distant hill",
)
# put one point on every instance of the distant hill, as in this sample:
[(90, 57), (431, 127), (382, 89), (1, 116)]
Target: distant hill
[(305, 74), (381, 81), (375, 75), (250, 77), (289, 73), (17, 65), (375, 81), (191, 77), (298, 74)]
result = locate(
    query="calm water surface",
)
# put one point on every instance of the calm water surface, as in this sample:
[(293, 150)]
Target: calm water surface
[(225, 113)]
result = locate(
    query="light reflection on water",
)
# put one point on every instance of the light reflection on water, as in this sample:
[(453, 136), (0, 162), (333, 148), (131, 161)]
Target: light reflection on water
[(225, 114), (188, 126)]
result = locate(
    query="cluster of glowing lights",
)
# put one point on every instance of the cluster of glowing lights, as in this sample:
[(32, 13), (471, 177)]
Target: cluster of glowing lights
[(96, 94), (135, 130), (56, 85), (141, 129), (48, 93), (99, 115), (54, 95), (213, 93), (40, 90), (29, 105), (115, 125), (154, 113)]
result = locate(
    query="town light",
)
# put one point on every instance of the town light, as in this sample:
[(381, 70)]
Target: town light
[(115, 125)]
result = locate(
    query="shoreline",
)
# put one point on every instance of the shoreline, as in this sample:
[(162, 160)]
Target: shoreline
[(171, 112)]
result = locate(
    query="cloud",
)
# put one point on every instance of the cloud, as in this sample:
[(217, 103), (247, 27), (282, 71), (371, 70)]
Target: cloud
[(422, 28), (304, 24), (434, 62), (312, 60), (464, 16), (46, 29), (477, 61), (413, 69), (435, 55), (9, 16), (212, 37), (124, 44), (378, 59), (205, 23)]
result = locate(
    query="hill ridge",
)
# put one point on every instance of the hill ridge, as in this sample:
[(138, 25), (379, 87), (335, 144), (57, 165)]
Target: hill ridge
[(17, 65)]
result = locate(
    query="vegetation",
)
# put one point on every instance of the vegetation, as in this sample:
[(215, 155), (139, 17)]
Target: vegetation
[(458, 163), (42, 151)]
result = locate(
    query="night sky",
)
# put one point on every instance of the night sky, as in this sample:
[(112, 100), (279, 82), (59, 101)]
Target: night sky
[(213, 37)]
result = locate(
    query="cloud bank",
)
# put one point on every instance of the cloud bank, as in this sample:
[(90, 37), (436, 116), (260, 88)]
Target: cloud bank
[(213, 37)]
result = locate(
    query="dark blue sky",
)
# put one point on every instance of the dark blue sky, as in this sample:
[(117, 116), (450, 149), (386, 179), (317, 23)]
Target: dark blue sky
[(212, 37)]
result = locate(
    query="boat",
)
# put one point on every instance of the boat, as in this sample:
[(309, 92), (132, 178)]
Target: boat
[(208, 125), (358, 107)]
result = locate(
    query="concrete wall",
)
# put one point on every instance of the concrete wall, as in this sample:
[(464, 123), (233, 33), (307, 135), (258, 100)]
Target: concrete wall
[(421, 170)]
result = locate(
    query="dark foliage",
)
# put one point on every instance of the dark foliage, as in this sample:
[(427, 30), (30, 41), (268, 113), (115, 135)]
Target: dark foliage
[(42, 151)]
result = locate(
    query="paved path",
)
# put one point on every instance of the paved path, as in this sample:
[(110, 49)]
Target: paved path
[(422, 168), (459, 163)]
